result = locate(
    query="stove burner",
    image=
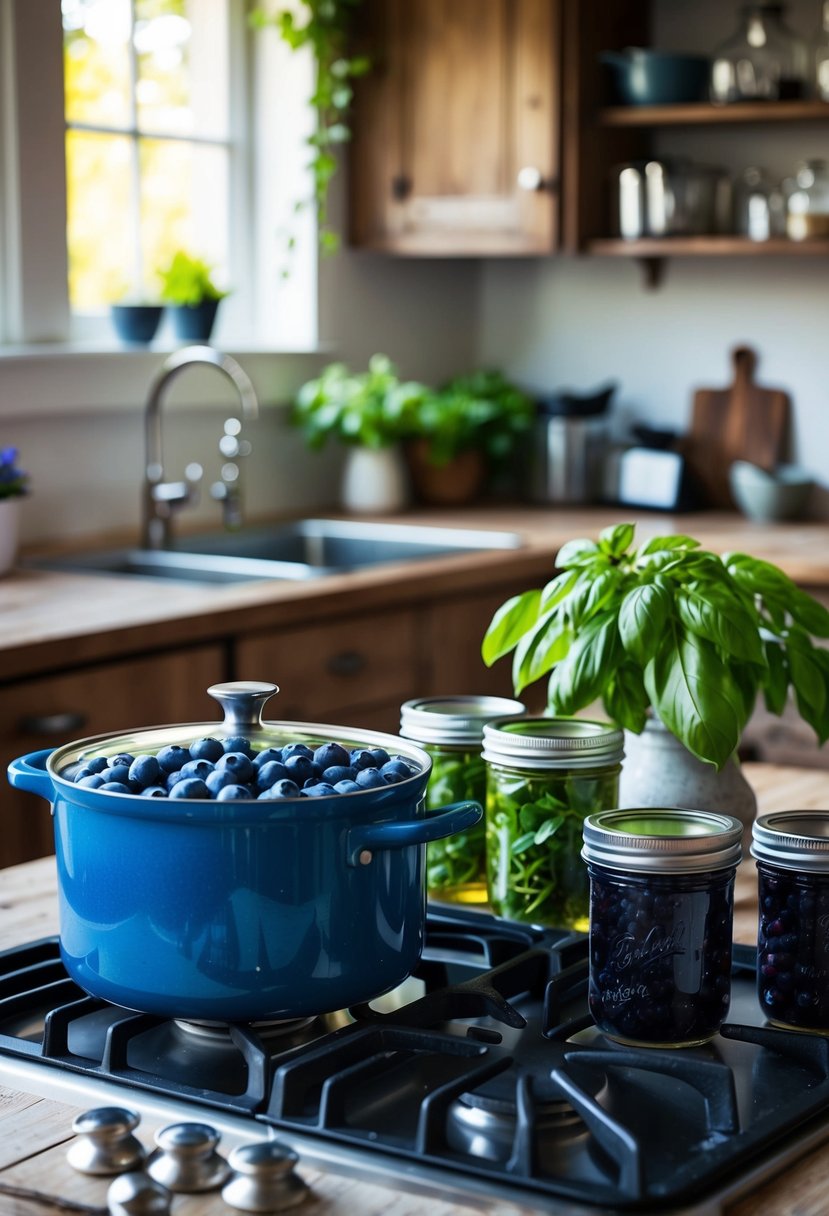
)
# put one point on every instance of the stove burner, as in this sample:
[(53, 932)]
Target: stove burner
[(219, 1032)]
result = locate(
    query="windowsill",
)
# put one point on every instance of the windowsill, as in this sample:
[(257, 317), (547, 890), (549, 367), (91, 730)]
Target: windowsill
[(80, 350)]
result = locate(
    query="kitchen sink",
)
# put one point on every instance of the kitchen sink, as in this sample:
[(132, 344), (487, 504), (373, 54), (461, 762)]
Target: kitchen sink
[(305, 549)]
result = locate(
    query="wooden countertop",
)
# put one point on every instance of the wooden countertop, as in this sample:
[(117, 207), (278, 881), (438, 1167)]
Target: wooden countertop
[(101, 617), (34, 1131)]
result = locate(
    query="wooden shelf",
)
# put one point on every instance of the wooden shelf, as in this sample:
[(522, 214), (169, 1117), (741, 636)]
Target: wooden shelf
[(705, 114), (707, 246)]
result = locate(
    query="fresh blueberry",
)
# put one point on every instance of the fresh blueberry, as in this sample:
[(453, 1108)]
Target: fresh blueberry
[(347, 787), (190, 787), (395, 770), (380, 756), (296, 749), (271, 772), (173, 779), (233, 793), (265, 757), (96, 764), (238, 743), (154, 791), (117, 772), (125, 758), (369, 778), (219, 779), (321, 789), (92, 781), (338, 772), (362, 758), (299, 767), (282, 789), (172, 758), (197, 768), (145, 771), (114, 787), (329, 755), (77, 774), (239, 764), (206, 749)]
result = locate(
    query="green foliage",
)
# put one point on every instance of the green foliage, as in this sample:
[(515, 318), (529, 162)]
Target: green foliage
[(692, 635), (325, 27), (482, 410), (372, 409), (188, 280)]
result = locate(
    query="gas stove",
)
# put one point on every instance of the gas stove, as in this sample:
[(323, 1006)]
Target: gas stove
[(483, 1080)]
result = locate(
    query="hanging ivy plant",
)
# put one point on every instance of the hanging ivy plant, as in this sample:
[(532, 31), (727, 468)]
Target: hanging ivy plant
[(324, 26)]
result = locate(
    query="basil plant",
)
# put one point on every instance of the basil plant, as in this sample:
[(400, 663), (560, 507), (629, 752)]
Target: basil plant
[(668, 627)]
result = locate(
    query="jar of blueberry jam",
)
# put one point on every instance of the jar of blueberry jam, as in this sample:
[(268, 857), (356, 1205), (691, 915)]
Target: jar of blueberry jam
[(661, 911), (791, 849)]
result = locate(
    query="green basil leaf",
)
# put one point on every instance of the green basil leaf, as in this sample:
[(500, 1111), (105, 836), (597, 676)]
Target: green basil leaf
[(558, 588), (616, 540), (626, 699), (580, 677), (711, 614), (577, 553), (659, 543), (548, 829), (509, 624), (807, 674), (642, 618), (522, 843), (758, 577), (602, 590), (808, 612), (538, 651), (776, 678), (694, 694)]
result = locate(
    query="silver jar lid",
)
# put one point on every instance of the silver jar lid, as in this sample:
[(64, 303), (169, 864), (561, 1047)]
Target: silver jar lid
[(453, 720), (664, 840), (549, 743), (794, 840)]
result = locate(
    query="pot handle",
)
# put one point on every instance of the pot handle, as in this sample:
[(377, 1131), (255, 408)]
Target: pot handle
[(444, 821), (29, 773)]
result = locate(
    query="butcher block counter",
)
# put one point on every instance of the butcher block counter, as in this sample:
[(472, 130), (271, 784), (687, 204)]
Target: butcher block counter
[(36, 1181)]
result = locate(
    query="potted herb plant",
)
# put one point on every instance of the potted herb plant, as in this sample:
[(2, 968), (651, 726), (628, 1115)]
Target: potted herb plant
[(370, 412), (14, 485), (187, 286), (462, 433), (677, 643)]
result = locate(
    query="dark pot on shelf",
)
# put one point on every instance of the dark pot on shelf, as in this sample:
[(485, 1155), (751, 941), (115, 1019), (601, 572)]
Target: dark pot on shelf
[(136, 323), (459, 481), (194, 322), (242, 910), (644, 77)]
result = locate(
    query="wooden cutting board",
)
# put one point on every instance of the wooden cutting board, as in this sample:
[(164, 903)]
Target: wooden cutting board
[(741, 422)]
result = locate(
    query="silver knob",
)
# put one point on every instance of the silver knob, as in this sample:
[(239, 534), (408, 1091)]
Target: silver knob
[(530, 178), (105, 1143), (242, 702), (186, 1159), (264, 1179), (137, 1195)]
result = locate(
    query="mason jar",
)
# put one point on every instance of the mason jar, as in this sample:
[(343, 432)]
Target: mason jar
[(450, 729), (791, 849), (661, 914), (544, 776)]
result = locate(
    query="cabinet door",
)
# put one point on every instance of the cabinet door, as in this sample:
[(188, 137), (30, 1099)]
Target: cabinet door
[(54, 710), (456, 147)]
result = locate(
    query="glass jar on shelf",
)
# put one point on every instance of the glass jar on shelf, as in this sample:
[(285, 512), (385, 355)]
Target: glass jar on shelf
[(759, 205), (763, 61), (807, 205), (821, 55)]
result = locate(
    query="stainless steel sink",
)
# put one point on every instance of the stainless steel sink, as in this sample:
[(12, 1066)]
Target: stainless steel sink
[(306, 549)]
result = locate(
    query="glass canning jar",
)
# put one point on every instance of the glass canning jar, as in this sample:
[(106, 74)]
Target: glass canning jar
[(661, 913), (791, 849), (763, 61), (450, 730), (544, 775), (808, 202)]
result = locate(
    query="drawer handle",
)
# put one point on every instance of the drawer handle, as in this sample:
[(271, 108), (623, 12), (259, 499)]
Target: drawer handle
[(49, 725), (346, 663)]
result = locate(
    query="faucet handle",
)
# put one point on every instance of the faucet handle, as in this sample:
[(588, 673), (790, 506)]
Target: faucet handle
[(176, 493)]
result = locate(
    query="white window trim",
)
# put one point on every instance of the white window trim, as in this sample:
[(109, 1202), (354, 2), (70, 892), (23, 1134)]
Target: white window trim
[(274, 316)]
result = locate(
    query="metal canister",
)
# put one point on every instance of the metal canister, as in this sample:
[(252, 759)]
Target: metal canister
[(450, 730), (544, 776), (661, 913), (791, 849)]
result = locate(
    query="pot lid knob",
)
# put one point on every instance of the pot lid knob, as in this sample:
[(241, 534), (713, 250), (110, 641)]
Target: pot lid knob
[(137, 1194), (242, 702), (264, 1179), (105, 1143), (186, 1159)]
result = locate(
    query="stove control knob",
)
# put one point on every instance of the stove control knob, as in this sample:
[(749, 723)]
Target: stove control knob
[(137, 1195), (105, 1143), (186, 1159), (264, 1179)]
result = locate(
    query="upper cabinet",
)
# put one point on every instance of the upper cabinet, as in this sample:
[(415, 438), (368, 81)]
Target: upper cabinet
[(457, 128)]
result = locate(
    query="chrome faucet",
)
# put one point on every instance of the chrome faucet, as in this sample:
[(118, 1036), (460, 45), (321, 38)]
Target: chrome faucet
[(161, 498)]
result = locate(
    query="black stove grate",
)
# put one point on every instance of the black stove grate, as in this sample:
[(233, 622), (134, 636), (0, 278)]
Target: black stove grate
[(495, 1072)]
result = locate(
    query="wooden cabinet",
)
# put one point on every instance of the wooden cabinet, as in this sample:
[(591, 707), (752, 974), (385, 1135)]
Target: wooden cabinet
[(456, 147), (55, 710)]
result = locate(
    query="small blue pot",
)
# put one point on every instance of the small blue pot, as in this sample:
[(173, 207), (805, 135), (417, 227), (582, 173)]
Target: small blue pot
[(644, 77), (194, 322), (239, 911), (136, 323)]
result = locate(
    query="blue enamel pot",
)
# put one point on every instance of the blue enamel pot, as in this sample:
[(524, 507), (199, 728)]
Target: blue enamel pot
[(239, 911)]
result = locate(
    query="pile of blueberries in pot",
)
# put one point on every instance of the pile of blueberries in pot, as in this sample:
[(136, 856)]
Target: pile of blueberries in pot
[(793, 948), (232, 769)]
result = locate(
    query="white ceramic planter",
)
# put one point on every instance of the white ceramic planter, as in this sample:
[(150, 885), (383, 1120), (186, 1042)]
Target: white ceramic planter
[(374, 479), (9, 531)]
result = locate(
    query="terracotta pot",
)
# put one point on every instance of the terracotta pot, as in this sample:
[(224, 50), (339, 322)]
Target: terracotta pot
[(459, 481)]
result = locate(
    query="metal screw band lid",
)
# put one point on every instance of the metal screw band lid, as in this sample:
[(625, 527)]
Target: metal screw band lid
[(547, 743), (449, 720), (794, 840), (666, 840)]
